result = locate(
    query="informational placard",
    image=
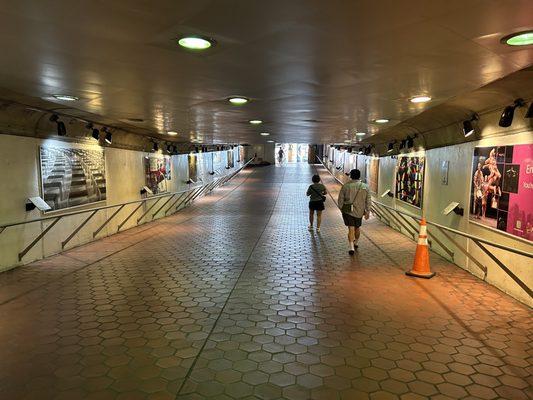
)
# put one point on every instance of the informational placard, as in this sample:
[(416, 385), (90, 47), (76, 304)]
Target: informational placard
[(157, 171), (444, 167), (501, 193), (410, 180), (72, 176)]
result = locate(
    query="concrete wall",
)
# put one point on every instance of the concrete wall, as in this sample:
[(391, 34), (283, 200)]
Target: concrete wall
[(437, 196), (19, 162), (264, 152)]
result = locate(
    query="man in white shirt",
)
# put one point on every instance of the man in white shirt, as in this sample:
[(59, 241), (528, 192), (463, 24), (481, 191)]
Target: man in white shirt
[(354, 201)]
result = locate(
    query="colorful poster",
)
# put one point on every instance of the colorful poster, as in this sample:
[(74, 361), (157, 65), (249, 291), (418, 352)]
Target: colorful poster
[(410, 180), (501, 194), (72, 177), (372, 174), (193, 167), (157, 171)]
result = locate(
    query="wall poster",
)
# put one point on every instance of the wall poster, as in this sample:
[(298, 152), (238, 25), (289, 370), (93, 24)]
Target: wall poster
[(72, 177), (193, 167), (157, 172), (241, 154), (410, 180), (501, 194), (372, 174)]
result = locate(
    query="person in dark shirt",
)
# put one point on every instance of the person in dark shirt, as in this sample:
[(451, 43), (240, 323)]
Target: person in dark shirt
[(317, 192)]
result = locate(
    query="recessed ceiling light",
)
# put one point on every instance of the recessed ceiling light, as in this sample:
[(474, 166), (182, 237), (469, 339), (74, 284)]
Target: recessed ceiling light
[(238, 100), (381, 121), (270, 141), (524, 38), (264, 134), (195, 43), (172, 133), (420, 99), (360, 134), (256, 121), (65, 97)]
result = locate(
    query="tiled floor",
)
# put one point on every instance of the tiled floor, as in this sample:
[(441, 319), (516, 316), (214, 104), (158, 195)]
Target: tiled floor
[(234, 298)]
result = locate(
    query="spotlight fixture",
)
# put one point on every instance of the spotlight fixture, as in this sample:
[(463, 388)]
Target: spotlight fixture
[(410, 142), (420, 99), (172, 133), (524, 38), (155, 146), (390, 147), (238, 100), (255, 121), (381, 121), (61, 128), (468, 127), (95, 133), (403, 144), (529, 112), (194, 42), (65, 97), (360, 151), (507, 116), (108, 136)]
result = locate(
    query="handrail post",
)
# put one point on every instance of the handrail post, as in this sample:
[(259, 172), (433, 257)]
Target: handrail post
[(107, 221), (504, 267), (69, 238), (39, 237), (149, 208), (163, 205)]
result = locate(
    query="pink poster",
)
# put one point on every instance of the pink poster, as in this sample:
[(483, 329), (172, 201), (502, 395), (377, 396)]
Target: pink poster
[(502, 189)]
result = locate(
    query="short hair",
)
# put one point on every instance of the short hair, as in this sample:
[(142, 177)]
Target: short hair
[(355, 174), (315, 178)]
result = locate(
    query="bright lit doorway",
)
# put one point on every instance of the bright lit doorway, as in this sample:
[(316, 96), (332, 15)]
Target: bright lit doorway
[(291, 152)]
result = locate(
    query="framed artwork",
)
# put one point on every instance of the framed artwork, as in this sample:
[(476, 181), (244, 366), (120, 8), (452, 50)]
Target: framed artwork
[(501, 189), (372, 174), (193, 167), (72, 177), (157, 172), (231, 162), (410, 180)]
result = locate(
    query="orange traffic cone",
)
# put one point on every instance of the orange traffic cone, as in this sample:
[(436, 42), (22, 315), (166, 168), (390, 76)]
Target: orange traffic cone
[(421, 265)]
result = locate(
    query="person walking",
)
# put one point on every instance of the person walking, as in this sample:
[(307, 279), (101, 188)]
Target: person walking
[(354, 201), (316, 192)]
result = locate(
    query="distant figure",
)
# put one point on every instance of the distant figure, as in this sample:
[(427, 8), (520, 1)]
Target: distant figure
[(317, 192), (354, 201), (281, 153)]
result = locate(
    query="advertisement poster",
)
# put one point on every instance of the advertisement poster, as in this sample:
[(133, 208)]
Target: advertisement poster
[(241, 154), (157, 172), (72, 177), (501, 194), (410, 180), (231, 163), (372, 174), (193, 167)]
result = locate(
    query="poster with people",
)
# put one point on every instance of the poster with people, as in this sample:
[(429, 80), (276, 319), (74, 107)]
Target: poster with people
[(372, 173), (157, 171), (501, 194), (410, 180)]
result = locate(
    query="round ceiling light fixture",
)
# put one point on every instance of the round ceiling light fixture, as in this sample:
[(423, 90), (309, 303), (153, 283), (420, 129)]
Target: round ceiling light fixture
[(420, 99), (238, 100), (360, 134), (172, 133), (255, 121), (270, 141), (193, 42), (381, 120), (524, 38), (65, 97), (265, 134)]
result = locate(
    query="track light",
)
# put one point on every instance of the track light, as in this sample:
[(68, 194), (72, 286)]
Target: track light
[(529, 112), (95, 133), (403, 144), (108, 138), (410, 142), (468, 127), (155, 146), (506, 118), (390, 147), (360, 150), (61, 128)]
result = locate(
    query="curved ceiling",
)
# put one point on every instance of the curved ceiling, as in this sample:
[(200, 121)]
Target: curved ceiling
[(315, 71)]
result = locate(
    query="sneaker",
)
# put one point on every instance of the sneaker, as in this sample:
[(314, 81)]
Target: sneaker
[(318, 230), (310, 228), (355, 246), (351, 252)]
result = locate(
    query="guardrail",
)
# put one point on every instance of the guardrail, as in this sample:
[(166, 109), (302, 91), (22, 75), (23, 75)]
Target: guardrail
[(404, 219), (186, 196)]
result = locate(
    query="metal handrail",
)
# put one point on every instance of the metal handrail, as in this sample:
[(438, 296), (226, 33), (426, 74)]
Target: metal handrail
[(455, 231), (192, 193)]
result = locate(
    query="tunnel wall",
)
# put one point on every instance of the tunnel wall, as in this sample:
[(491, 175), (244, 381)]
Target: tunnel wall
[(19, 161), (437, 196)]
